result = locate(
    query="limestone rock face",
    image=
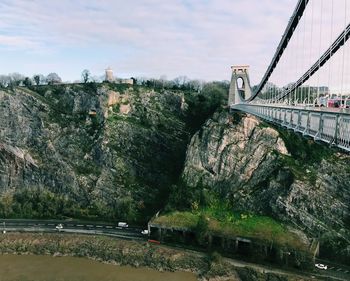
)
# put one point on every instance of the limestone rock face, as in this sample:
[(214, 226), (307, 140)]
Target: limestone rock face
[(110, 150), (232, 154), (249, 164)]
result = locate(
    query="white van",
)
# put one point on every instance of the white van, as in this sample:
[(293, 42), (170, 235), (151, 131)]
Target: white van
[(122, 224)]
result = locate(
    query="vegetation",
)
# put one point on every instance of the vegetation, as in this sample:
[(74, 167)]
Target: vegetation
[(221, 221), (37, 203), (44, 204), (202, 105), (304, 154)]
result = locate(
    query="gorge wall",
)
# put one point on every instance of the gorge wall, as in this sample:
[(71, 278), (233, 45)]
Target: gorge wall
[(89, 150), (257, 168), (103, 151)]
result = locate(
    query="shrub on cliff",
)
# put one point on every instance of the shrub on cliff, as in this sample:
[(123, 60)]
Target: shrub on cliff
[(202, 105)]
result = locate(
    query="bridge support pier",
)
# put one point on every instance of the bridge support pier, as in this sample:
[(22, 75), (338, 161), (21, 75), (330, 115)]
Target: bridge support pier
[(240, 89)]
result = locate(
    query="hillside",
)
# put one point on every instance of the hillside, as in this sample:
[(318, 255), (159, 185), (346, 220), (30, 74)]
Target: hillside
[(92, 151)]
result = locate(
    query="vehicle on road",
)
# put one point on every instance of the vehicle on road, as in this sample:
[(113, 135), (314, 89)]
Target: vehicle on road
[(321, 266), (59, 226), (144, 232), (122, 224), (333, 103)]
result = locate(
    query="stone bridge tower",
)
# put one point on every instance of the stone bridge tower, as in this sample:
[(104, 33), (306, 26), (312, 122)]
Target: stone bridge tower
[(240, 89)]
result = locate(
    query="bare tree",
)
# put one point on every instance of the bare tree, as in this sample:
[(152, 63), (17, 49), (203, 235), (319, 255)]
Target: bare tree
[(96, 79), (4, 81), (53, 78), (15, 79), (85, 75), (180, 80)]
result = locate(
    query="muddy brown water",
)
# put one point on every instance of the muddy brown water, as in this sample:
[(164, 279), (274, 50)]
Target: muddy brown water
[(48, 268)]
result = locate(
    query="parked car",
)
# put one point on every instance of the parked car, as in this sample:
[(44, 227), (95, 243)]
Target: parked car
[(321, 266), (144, 232)]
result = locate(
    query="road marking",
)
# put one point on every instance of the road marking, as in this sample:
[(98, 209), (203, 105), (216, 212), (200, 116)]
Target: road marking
[(108, 226), (99, 226), (346, 271), (80, 225), (89, 225), (331, 267), (338, 269), (50, 224)]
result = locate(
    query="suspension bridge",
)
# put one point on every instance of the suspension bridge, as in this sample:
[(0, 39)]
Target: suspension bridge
[(306, 86)]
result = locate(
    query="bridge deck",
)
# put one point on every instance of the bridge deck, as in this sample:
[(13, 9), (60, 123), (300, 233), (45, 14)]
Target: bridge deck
[(324, 124)]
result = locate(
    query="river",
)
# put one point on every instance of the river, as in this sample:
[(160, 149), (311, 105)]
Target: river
[(48, 268)]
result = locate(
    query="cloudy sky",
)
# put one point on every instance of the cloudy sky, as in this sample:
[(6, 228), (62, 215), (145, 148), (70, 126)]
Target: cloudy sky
[(196, 38)]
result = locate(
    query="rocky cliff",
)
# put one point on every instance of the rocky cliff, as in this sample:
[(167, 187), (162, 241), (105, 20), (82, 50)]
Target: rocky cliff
[(107, 151), (259, 169), (114, 152)]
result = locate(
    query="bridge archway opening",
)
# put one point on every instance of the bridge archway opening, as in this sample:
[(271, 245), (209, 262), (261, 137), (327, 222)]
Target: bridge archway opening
[(240, 83), (241, 87)]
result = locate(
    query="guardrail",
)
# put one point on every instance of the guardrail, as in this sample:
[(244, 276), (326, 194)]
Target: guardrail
[(331, 127)]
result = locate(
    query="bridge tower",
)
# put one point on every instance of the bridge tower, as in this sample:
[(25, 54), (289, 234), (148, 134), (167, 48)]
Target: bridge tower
[(240, 89)]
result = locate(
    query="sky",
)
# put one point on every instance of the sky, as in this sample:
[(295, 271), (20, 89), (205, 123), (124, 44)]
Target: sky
[(200, 39)]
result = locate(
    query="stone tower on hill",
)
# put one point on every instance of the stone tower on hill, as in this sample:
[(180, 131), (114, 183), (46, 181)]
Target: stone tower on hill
[(109, 75)]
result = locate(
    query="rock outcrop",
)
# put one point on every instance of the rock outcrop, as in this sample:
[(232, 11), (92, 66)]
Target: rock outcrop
[(111, 151), (253, 166)]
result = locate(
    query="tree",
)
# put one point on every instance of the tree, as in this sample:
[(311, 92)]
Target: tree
[(85, 75), (39, 79), (36, 79), (27, 82), (4, 80), (202, 105), (53, 78), (202, 229), (15, 79)]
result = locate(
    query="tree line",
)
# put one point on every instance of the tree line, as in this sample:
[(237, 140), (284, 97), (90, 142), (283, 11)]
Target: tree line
[(17, 79)]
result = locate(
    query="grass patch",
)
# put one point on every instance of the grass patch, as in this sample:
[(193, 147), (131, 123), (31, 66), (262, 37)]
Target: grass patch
[(228, 223)]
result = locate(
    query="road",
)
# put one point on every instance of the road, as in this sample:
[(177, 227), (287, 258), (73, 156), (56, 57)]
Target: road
[(77, 227), (335, 271)]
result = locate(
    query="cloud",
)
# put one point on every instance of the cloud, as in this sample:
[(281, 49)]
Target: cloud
[(17, 42), (197, 38)]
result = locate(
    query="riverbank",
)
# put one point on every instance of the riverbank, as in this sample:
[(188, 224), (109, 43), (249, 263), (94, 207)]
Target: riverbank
[(136, 254), (44, 268)]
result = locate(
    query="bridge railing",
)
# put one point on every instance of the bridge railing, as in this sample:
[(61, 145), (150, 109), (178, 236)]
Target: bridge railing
[(332, 127)]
